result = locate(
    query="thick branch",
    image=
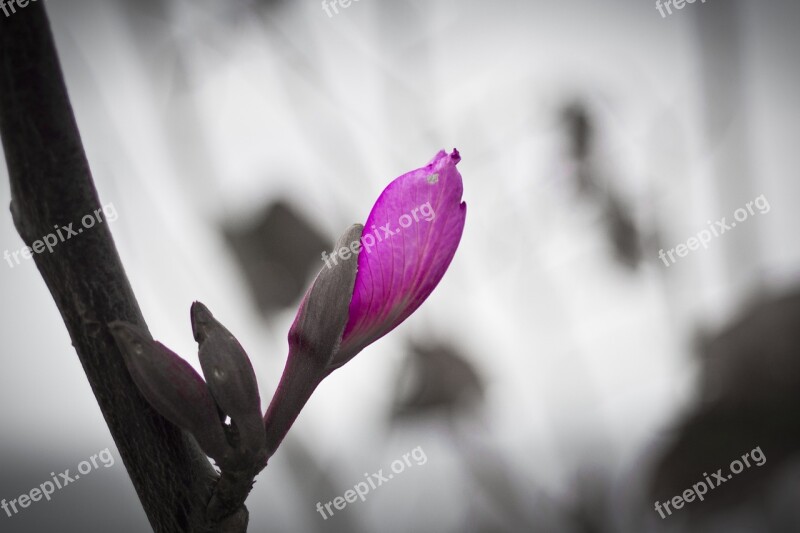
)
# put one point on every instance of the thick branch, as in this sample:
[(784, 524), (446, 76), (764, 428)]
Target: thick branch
[(51, 185)]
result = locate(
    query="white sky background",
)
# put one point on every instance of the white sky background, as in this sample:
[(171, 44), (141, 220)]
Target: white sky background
[(203, 116)]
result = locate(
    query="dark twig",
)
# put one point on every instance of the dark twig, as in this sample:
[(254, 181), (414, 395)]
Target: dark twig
[(51, 185)]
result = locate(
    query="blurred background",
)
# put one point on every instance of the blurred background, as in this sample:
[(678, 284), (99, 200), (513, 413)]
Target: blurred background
[(562, 377)]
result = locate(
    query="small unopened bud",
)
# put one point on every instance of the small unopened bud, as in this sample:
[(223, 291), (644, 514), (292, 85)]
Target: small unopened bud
[(230, 377), (172, 387)]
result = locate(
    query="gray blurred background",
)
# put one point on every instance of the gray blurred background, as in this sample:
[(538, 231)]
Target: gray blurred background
[(561, 377)]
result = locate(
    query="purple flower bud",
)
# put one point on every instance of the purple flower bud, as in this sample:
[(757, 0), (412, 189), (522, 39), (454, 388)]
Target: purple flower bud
[(417, 224), (403, 251)]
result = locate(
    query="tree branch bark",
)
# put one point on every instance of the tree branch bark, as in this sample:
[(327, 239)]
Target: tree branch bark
[(51, 184)]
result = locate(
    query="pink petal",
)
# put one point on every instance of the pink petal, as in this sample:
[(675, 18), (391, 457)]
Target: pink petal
[(400, 271)]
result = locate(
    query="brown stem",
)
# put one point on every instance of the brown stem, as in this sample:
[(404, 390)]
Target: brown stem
[(51, 184), (230, 493), (300, 378)]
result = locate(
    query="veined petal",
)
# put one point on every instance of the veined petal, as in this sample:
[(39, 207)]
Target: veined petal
[(416, 226)]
